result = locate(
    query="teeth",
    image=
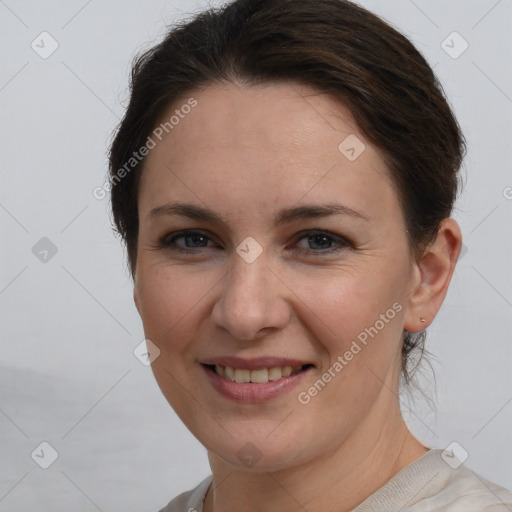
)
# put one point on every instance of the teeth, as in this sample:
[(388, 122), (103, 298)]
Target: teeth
[(262, 375), (242, 375), (259, 375), (275, 373), (229, 373)]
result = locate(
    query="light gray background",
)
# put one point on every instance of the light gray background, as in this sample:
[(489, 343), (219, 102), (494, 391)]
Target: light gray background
[(69, 327)]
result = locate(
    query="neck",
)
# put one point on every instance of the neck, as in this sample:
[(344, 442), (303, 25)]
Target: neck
[(336, 481)]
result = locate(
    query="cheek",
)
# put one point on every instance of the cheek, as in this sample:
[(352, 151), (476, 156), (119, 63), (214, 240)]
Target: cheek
[(344, 303), (356, 319), (171, 301), (169, 298)]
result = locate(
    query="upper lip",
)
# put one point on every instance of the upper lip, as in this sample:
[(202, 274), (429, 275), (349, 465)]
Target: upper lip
[(256, 363)]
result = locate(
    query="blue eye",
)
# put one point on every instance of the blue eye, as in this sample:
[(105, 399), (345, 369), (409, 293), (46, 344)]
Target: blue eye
[(322, 242), (193, 240), (319, 242)]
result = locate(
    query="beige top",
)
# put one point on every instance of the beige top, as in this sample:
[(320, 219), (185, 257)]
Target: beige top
[(429, 484)]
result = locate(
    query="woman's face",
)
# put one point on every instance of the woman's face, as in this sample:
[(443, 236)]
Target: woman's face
[(294, 255)]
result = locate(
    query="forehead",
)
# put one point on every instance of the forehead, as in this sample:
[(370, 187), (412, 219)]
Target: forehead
[(273, 143)]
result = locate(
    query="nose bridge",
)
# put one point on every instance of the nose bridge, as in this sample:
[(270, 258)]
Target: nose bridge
[(251, 299)]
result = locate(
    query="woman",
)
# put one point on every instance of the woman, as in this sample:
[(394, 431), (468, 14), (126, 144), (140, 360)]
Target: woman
[(283, 179)]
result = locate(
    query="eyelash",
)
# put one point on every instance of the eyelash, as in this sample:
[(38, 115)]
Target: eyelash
[(168, 241)]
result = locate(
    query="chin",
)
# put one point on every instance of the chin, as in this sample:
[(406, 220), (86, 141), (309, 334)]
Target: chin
[(259, 449)]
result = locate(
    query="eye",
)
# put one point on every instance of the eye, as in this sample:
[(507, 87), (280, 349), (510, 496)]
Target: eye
[(322, 242), (317, 242), (191, 239)]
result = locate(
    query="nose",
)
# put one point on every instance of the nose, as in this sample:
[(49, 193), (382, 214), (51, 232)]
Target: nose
[(252, 303)]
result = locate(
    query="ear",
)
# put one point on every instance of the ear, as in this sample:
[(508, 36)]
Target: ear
[(432, 275)]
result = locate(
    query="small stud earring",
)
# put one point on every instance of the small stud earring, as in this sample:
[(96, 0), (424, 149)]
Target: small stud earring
[(422, 320)]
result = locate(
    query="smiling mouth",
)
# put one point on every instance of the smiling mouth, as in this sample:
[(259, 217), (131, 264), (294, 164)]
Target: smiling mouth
[(259, 376)]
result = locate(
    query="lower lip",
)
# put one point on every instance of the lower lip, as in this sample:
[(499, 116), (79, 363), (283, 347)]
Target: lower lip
[(250, 392)]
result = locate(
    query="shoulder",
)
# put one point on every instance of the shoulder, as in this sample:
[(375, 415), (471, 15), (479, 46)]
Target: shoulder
[(189, 501), (435, 483), (464, 490)]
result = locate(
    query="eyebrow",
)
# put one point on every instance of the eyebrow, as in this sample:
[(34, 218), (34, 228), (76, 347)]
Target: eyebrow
[(284, 216)]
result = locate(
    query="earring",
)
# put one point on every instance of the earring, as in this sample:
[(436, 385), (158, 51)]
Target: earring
[(422, 320)]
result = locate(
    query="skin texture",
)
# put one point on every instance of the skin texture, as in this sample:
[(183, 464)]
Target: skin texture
[(246, 153)]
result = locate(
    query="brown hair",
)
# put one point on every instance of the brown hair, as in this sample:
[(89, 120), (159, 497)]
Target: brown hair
[(334, 46)]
